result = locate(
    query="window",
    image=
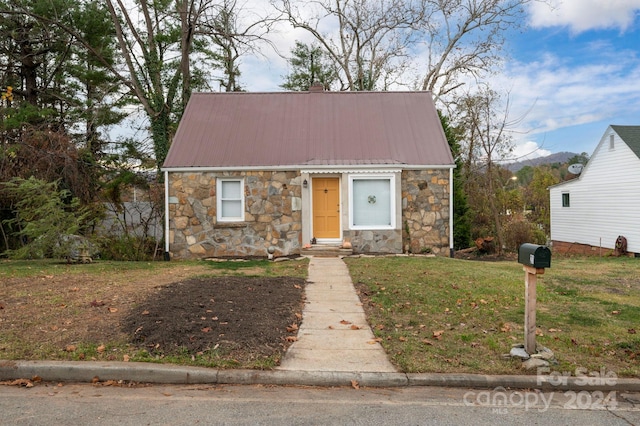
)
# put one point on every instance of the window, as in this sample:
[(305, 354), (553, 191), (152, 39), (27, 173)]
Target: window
[(230, 200), (565, 200), (372, 202), (612, 142)]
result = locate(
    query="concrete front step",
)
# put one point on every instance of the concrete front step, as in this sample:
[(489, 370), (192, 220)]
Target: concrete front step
[(326, 251)]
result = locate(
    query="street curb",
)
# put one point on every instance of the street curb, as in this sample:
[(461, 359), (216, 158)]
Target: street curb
[(88, 371)]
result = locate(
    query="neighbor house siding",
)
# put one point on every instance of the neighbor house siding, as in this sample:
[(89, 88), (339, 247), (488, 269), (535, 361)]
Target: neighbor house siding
[(272, 216), (604, 201)]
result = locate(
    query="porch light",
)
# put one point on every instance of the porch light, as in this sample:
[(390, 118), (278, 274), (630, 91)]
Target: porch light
[(305, 183)]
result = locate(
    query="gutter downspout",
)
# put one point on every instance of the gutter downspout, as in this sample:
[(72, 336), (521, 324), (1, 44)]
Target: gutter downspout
[(451, 253), (167, 256)]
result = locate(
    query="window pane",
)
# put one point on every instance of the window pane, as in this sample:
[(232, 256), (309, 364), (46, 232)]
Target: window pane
[(371, 202), (231, 208), (230, 190)]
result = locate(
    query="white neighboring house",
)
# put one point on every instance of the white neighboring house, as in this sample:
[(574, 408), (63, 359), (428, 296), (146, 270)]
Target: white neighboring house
[(590, 212)]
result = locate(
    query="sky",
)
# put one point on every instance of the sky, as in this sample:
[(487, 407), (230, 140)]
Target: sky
[(574, 70)]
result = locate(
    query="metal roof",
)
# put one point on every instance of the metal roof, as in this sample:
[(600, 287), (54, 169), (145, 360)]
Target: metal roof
[(254, 130)]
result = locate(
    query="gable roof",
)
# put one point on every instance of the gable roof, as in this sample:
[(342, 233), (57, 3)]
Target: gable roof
[(252, 130), (630, 135)]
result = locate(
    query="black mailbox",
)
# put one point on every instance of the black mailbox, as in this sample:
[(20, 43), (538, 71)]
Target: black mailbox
[(534, 255)]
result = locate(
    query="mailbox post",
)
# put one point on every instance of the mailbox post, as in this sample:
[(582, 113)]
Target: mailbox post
[(534, 258)]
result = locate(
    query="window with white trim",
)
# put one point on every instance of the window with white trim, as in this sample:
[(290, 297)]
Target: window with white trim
[(230, 200), (566, 200), (372, 201)]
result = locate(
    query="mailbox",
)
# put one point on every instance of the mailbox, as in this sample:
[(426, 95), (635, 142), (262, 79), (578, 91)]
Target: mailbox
[(534, 255)]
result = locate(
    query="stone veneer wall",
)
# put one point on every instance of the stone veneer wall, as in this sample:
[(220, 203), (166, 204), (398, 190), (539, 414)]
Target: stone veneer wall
[(272, 216), (425, 211), (378, 241)]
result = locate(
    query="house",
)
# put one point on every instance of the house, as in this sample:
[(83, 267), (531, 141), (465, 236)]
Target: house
[(254, 174), (589, 213)]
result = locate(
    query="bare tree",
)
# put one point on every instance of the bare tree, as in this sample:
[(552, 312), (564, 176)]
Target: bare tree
[(487, 141), (464, 38), (368, 41), (234, 31)]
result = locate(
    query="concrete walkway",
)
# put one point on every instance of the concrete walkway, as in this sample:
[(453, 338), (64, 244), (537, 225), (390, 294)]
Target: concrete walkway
[(334, 335)]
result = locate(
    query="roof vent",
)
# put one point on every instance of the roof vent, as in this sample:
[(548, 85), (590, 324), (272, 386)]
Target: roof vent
[(316, 87)]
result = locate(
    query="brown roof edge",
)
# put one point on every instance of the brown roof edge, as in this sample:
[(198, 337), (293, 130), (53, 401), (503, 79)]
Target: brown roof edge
[(316, 87)]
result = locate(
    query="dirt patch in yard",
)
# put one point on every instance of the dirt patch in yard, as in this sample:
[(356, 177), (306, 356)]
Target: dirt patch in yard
[(65, 312), (234, 314)]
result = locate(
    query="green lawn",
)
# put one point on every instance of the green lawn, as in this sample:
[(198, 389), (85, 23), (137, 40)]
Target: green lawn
[(449, 315)]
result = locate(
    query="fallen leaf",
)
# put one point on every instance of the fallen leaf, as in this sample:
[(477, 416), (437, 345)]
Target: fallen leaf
[(354, 384), (380, 327), (95, 379), (70, 348), (113, 310), (484, 302), (615, 313), (330, 327), (345, 322), (438, 334), (100, 349), (206, 329), (402, 339), (505, 328), (574, 341), (145, 312), (126, 358), (292, 339), (632, 331), (293, 327), (355, 327), (297, 286), (22, 382), (554, 330), (298, 315), (427, 342), (95, 303)]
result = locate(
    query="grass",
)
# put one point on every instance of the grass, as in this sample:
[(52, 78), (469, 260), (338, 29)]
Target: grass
[(449, 315), (45, 307)]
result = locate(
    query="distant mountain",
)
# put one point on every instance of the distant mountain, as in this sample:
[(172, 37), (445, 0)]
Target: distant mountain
[(558, 157)]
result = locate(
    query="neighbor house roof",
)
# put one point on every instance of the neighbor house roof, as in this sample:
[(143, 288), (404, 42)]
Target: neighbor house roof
[(236, 130), (630, 135)]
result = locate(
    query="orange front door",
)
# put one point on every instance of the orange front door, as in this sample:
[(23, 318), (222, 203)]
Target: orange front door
[(326, 207)]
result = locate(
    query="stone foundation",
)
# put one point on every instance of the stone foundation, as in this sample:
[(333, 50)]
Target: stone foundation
[(562, 247)]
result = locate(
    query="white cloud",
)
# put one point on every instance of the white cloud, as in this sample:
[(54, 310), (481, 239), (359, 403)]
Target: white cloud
[(550, 94), (584, 15), (527, 150)]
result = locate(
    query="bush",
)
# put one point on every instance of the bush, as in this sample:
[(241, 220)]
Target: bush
[(128, 248), (519, 232), (47, 219)]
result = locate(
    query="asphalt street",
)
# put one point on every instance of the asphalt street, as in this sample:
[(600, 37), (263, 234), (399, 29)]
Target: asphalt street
[(87, 404)]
